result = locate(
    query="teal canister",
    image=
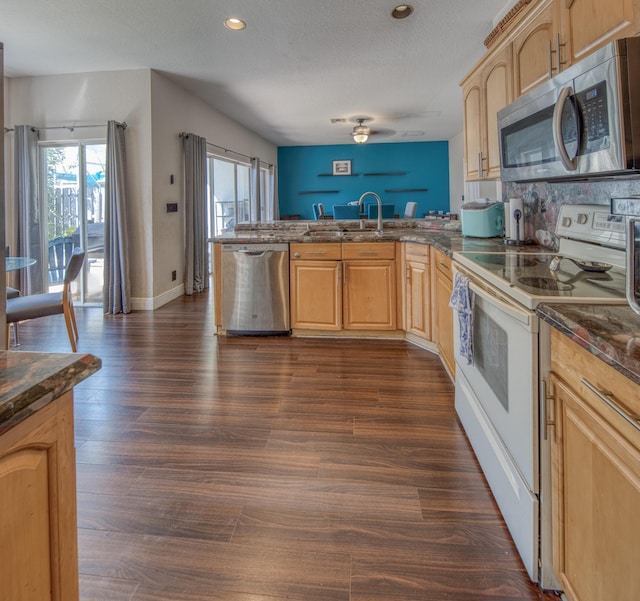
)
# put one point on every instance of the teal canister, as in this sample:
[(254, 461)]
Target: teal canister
[(482, 219)]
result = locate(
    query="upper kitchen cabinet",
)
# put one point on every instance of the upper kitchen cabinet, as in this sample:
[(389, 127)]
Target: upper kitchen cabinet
[(537, 52), (485, 91), (589, 24)]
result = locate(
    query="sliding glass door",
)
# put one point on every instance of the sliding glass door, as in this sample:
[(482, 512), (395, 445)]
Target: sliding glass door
[(73, 179), (228, 185)]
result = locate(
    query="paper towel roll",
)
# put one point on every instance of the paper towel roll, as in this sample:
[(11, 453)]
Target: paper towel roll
[(507, 220), (516, 232)]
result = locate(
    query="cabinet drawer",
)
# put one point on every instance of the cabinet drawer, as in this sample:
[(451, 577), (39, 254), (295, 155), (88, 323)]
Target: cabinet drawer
[(443, 264), (368, 250), (416, 252), (325, 251), (593, 379)]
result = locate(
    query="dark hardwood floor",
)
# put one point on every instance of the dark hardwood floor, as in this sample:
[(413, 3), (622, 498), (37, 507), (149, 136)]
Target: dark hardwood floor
[(268, 469)]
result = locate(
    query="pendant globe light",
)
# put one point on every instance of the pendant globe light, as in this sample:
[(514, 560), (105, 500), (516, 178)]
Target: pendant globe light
[(360, 132)]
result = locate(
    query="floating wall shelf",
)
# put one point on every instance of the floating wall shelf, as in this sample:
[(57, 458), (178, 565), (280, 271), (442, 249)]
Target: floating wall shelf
[(341, 175), (319, 192), (387, 173), (409, 190)]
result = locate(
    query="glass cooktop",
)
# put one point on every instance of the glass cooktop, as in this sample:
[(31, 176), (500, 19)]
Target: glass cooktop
[(527, 278)]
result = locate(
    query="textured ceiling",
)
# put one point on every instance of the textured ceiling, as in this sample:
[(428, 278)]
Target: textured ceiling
[(297, 65)]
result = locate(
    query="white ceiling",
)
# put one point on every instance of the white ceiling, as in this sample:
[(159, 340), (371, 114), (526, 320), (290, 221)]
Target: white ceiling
[(297, 65)]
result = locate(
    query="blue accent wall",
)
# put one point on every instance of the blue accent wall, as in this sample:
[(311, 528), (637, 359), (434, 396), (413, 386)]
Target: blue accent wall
[(426, 165)]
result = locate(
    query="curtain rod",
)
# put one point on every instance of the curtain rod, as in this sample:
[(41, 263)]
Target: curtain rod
[(184, 134), (69, 127)]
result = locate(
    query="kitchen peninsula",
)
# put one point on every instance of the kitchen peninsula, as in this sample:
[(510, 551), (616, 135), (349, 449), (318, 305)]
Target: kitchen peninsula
[(38, 526)]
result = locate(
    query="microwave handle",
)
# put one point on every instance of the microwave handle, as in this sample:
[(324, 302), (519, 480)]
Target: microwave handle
[(569, 163), (631, 265)]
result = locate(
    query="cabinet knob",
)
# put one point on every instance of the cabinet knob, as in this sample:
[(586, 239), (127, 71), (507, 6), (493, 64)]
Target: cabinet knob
[(296, 255)]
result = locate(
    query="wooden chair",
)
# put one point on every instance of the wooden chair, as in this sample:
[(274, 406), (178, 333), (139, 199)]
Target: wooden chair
[(346, 212), (410, 210), (60, 250), (50, 303), (388, 210), (12, 293)]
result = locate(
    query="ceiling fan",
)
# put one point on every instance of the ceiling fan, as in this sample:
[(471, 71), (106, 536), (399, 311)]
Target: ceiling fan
[(361, 132)]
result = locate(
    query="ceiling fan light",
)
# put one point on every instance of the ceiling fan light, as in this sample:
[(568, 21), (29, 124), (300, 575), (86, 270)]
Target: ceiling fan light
[(360, 134)]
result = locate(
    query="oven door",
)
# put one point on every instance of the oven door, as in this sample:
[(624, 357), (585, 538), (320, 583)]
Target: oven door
[(503, 374), (496, 401)]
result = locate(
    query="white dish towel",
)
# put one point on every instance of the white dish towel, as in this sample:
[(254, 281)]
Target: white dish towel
[(462, 301)]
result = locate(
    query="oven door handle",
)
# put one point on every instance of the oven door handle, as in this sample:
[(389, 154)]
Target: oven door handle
[(506, 307)]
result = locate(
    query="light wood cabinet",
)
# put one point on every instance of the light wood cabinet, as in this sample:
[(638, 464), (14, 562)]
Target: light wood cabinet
[(417, 290), (38, 527), (484, 94), (349, 286), (589, 24), (596, 476), (537, 54), (442, 277), (316, 294)]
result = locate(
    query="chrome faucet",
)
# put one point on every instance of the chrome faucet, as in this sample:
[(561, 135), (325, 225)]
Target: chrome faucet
[(379, 208)]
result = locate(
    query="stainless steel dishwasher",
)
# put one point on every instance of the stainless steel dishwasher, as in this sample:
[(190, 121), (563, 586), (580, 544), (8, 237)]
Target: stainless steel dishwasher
[(255, 289)]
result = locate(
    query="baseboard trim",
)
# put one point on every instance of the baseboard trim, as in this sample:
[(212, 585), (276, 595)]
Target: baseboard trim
[(151, 304)]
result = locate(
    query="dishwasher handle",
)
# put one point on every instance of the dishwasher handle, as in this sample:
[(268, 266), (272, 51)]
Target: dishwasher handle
[(252, 253)]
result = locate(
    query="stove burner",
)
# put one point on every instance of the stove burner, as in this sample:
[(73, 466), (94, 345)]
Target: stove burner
[(545, 284)]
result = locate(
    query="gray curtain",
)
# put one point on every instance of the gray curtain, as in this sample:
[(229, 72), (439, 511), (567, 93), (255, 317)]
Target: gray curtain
[(116, 292), (254, 190), (31, 220), (272, 208), (196, 277)]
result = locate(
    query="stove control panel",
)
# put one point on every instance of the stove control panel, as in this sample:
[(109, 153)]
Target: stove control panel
[(591, 223)]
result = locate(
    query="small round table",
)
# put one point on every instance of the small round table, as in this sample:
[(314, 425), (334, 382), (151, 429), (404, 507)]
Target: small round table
[(15, 263)]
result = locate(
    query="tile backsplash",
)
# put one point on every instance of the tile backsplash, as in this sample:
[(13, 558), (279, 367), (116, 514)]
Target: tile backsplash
[(542, 201)]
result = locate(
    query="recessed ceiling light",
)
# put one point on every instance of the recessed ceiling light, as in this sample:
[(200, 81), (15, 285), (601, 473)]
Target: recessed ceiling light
[(402, 11), (234, 23)]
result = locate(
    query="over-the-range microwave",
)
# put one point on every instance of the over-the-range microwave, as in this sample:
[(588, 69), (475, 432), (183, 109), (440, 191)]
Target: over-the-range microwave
[(584, 123)]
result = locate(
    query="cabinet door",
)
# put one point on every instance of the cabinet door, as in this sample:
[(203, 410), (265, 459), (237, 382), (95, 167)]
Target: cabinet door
[(38, 528), (418, 311), (589, 24), (535, 50), (444, 315), (473, 124), (484, 95), (497, 94), (369, 292), (596, 496), (316, 295)]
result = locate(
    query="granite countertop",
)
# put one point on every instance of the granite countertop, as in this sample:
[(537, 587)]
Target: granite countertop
[(610, 332), (443, 234), (29, 381)]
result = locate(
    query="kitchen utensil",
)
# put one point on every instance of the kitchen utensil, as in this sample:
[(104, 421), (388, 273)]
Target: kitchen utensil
[(592, 266)]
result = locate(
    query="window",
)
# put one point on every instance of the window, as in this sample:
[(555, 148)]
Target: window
[(229, 194), (72, 191), (228, 191)]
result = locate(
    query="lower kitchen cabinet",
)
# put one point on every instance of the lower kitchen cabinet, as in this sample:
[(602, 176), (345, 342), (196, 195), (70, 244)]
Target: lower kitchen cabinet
[(369, 295), (38, 527), (596, 476), (348, 286), (442, 277), (417, 290), (316, 294)]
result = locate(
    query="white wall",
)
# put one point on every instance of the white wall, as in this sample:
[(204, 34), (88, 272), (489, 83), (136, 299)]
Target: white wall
[(156, 110), (456, 172), (174, 110), (93, 98)]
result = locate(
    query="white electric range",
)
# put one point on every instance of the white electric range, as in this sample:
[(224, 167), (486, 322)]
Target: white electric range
[(500, 387)]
